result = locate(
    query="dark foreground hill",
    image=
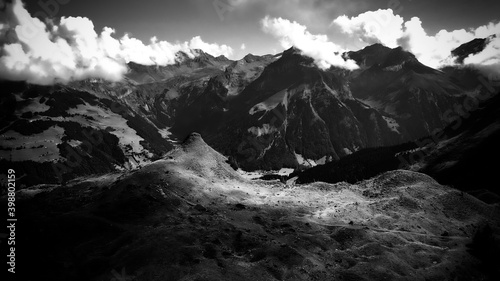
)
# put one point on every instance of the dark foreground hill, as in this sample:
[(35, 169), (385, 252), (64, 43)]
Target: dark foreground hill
[(190, 216)]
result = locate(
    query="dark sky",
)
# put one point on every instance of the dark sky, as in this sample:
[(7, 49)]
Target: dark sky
[(240, 23)]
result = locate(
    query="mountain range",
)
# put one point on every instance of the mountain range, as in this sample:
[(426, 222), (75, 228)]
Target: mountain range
[(263, 112)]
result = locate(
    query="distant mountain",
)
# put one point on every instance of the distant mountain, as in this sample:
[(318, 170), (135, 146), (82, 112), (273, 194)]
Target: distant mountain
[(202, 64)]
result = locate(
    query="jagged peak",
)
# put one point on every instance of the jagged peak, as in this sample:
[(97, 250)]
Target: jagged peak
[(181, 56), (250, 58), (200, 52), (221, 58), (379, 54), (376, 46), (196, 55), (292, 51), (472, 47)]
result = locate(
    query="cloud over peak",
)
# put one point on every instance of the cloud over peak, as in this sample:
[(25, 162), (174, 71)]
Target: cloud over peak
[(383, 26), (70, 49), (324, 52)]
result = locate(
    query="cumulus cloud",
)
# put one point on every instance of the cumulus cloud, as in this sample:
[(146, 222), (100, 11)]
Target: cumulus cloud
[(489, 56), (318, 47), (488, 61), (383, 26), (432, 50), (211, 48), (70, 49)]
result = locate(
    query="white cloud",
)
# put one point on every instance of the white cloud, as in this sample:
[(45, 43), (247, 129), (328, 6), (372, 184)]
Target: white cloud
[(243, 46), (488, 60), (490, 55), (213, 49), (318, 47), (44, 53), (433, 50), (380, 26)]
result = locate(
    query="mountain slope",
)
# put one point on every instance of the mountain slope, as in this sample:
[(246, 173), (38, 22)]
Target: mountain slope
[(188, 216), (461, 156), (395, 82), (464, 160), (54, 133), (293, 111)]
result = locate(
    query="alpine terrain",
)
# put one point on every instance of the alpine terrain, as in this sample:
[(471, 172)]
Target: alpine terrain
[(371, 158)]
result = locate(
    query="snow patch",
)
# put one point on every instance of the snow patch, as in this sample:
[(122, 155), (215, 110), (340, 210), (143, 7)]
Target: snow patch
[(74, 143), (347, 151), (280, 97), (284, 171), (266, 129), (166, 134), (392, 124), (305, 162), (321, 161), (394, 68), (172, 94)]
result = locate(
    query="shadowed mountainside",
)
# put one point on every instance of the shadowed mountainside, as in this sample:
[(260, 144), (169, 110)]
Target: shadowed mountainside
[(462, 156)]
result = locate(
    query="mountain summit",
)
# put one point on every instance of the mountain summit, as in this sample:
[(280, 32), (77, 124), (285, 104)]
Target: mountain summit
[(471, 48)]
